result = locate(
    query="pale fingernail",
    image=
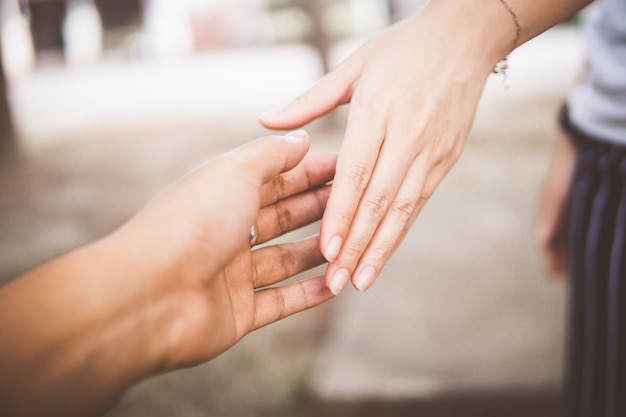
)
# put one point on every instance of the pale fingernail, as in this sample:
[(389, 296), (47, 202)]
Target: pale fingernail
[(338, 281), (300, 134), (365, 278), (333, 248)]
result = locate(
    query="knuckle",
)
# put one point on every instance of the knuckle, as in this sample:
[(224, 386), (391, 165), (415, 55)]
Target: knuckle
[(381, 250), (303, 296), (359, 177), (343, 218), (417, 129), (282, 305), (352, 251), (257, 271), (368, 101), (403, 209), (288, 261), (376, 205), (278, 186), (283, 217)]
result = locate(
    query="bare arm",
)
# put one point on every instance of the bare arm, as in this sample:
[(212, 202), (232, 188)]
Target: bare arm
[(175, 286)]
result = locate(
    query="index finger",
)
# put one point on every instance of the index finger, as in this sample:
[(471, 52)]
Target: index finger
[(314, 171), (356, 161)]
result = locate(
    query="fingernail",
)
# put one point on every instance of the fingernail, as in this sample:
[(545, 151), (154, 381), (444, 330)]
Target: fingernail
[(338, 281), (365, 278), (300, 134), (333, 248)]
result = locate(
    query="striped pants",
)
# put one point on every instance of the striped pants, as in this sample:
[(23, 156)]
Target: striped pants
[(596, 364)]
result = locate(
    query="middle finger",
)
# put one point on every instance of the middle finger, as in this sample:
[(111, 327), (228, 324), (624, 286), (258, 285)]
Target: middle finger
[(388, 175), (290, 214), (313, 171)]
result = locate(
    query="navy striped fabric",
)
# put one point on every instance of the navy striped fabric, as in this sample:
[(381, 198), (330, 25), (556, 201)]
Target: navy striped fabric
[(596, 364)]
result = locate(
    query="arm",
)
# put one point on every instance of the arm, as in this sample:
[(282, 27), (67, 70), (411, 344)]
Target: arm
[(175, 286), (413, 92)]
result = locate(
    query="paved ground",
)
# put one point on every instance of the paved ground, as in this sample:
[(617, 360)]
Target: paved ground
[(462, 319)]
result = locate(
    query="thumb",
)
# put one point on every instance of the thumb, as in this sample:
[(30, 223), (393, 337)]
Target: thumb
[(268, 156), (332, 90)]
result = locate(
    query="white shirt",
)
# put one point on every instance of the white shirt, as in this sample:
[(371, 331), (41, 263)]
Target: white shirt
[(598, 105)]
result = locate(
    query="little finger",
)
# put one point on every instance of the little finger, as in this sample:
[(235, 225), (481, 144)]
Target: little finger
[(274, 304)]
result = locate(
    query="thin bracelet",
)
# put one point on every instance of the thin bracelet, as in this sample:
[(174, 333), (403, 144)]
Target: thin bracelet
[(503, 66)]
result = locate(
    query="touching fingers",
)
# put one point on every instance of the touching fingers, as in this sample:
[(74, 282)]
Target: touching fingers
[(273, 304)]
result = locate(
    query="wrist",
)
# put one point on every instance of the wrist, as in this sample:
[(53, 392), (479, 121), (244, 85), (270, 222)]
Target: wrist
[(120, 309), (138, 308), (485, 28)]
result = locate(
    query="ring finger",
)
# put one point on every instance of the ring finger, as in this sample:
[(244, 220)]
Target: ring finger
[(407, 206), (273, 264)]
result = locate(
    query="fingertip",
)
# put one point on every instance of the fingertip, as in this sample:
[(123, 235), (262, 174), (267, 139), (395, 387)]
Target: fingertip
[(296, 136), (271, 117), (333, 247), (271, 155), (317, 290), (281, 119), (338, 281), (299, 138), (365, 278)]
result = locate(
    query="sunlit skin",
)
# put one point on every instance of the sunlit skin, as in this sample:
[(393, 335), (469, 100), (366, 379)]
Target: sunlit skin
[(176, 285), (413, 92)]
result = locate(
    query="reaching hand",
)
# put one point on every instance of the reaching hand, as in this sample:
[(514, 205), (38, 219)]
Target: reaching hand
[(198, 232), (176, 285), (413, 92)]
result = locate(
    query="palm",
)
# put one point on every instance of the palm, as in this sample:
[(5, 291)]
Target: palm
[(225, 281)]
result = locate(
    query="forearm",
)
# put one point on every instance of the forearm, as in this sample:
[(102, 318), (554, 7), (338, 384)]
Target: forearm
[(538, 16), (76, 332), (492, 27)]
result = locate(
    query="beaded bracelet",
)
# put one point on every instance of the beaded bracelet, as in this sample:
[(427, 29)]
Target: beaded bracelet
[(503, 66)]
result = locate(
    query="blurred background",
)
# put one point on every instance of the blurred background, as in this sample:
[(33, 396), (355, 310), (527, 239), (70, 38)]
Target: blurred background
[(104, 102)]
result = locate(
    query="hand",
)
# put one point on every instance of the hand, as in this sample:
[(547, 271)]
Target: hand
[(551, 217), (198, 232), (176, 285), (413, 92)]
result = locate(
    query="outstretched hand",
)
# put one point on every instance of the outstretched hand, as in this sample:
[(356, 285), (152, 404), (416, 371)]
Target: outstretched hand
[(224, 284), (176, 285), (413, 92)]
